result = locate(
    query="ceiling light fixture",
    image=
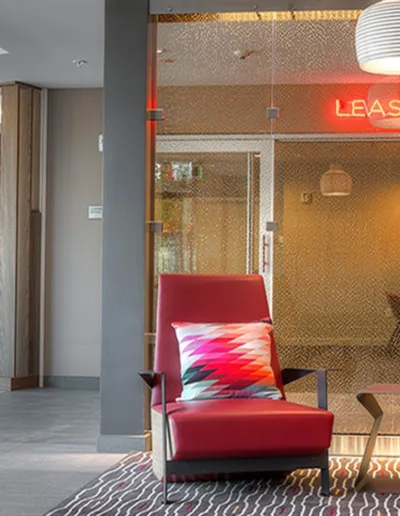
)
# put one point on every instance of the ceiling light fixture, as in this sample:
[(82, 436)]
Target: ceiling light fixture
[(377, 38), (79, 63), (243, 54), (336, 182)]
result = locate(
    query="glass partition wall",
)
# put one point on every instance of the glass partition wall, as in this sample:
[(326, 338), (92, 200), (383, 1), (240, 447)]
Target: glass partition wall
[(203, 202), (258, 107), (208, 204), (336, 272)]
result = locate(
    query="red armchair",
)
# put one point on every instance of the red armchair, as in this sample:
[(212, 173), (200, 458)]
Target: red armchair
[(228, 435)]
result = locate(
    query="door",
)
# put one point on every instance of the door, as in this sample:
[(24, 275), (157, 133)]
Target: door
[(207, 198), (207, 203)]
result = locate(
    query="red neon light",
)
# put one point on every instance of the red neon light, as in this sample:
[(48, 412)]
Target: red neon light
[(360, 108)]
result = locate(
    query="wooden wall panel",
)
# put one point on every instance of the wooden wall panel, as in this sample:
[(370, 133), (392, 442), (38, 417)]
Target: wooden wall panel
[(20, 236), (34, 340), (23, 232), (36, 127), (8, 227)]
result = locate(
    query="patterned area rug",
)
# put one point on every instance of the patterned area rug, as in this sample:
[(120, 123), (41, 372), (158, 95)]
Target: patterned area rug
[(131, 489)]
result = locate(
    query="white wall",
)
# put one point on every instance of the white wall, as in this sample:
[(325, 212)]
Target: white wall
[(73, 259)]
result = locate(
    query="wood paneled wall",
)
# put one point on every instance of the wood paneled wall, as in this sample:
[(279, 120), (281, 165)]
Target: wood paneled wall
[(20, 236)]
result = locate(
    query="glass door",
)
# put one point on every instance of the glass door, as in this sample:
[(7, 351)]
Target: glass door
[(208, 204)]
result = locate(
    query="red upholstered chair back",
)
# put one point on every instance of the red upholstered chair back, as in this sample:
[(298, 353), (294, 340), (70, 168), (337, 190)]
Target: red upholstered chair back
[(203, 298)]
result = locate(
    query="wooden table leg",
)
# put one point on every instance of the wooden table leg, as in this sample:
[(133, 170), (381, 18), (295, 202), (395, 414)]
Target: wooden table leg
[(394, 343), (368, 401)]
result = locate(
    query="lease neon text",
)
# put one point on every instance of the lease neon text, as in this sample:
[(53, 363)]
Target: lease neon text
[(360, 108)]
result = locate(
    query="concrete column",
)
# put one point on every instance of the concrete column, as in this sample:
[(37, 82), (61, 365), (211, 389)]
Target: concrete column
[(122, 426)]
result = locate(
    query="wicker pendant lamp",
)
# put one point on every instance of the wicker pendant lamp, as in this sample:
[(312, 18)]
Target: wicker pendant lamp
[(378, 38), (336, 182)]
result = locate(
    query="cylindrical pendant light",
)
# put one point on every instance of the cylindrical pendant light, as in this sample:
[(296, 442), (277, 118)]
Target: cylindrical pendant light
[(336, 182), (378, 38)]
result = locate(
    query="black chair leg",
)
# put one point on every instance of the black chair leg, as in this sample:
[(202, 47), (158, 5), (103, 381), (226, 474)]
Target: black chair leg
[(325, 482), (165, 490)]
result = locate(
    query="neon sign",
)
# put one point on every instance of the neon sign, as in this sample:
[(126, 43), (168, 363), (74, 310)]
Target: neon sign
[(360, 108)]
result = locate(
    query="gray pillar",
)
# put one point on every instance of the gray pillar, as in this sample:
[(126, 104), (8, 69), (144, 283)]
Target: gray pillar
[(124, 199)]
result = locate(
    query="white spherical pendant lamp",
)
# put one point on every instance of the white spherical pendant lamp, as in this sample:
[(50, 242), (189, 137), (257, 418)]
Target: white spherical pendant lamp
[(336, 182), (378, 38)]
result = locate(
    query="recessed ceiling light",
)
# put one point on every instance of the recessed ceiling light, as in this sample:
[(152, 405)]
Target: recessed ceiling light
[(3, 51), (79, 63)]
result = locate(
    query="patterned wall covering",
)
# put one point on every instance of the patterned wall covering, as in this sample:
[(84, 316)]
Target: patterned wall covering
[(336, 260)]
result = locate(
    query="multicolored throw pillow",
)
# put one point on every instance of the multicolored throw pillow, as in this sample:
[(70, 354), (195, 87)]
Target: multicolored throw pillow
[(226, 361)]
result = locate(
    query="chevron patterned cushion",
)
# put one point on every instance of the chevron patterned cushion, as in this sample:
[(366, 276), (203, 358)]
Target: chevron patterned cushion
[(226, 361)]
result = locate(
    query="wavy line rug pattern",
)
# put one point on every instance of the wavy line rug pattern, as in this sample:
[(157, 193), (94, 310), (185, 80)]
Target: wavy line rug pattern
[(130, 489)]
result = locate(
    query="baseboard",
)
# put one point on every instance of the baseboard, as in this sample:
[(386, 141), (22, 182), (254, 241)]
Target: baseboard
[(78, 383), (350, 445), (354, 445), (342, 445), (24, 382), (123, 443)]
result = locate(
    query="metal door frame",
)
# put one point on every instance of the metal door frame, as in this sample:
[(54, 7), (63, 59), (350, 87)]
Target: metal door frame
[(261, 144)]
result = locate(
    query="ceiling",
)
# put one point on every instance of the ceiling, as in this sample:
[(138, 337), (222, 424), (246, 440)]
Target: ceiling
[(306, 52), (44, 37)]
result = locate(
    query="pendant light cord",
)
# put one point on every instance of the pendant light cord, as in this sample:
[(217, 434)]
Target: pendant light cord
[(273, 69)]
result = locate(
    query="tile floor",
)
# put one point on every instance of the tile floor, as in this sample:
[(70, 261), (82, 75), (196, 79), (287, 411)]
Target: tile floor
[(47, 448)]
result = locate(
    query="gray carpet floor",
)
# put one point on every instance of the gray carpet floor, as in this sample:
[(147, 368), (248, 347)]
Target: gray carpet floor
[(131, 489)]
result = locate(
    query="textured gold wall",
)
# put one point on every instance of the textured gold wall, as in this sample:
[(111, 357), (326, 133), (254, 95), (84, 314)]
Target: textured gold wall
[(214, 109), (335, 261), (304, 109)]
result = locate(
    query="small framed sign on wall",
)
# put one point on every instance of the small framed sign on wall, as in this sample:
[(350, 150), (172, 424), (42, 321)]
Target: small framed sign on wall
[(95, 212)]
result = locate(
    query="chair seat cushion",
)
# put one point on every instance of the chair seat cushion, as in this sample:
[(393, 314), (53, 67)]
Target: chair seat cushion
[(229, 428)]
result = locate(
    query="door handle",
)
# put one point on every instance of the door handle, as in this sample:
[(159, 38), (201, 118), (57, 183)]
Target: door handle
[(265, 249)]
